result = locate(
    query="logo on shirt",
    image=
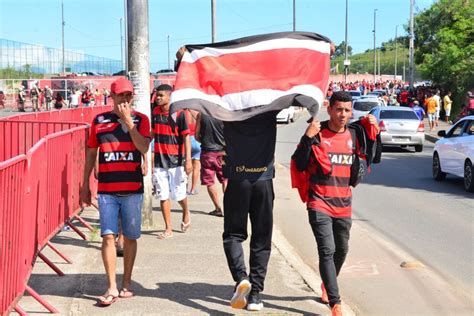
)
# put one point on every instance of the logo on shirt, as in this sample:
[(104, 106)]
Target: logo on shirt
[(118, 156), (251, 170), (340, 159)]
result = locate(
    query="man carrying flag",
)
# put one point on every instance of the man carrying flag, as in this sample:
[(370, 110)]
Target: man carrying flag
[(245, 83)]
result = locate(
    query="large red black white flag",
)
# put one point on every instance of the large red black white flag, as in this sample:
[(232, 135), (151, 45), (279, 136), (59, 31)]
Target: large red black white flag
[(238, 79)]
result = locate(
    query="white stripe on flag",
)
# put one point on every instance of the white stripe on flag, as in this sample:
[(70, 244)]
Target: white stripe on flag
[(247, 99), (284, 43)]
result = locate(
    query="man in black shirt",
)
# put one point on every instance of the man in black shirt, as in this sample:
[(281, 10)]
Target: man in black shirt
[(249, 167), (210, 133)]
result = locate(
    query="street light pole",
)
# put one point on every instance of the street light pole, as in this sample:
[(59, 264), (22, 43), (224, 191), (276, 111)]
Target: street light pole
[(412, 46), (396, 51), (63, 24), (121, 43), (294, 15), (375, 50), (213, 20), (346, 66), (168, 39)]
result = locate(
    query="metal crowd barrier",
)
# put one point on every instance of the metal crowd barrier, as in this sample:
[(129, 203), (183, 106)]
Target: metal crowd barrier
[(40, 181)]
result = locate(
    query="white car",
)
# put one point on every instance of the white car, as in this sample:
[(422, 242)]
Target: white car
[(286, 115), (454, 153), (362, 106)]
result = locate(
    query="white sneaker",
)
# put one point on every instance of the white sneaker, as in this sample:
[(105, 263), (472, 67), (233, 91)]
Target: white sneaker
[(255, 303), (239, 299)]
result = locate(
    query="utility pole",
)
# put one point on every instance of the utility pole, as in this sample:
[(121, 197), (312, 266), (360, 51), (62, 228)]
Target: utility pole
[(346, 61), (213, 20), (121, 43), (412, 45), (62, 31), (294, 15), (378, 60), (139, 74), (404, 58), (396, 52), (375, 49)]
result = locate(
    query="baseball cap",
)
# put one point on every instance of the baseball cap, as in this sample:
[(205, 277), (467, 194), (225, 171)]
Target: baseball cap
[(121, 85)]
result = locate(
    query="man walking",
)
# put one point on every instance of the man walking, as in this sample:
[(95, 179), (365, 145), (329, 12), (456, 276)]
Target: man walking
[(329, 199), (172, 150), (447, 103), (249, 168), (120, 136), (210, 133)]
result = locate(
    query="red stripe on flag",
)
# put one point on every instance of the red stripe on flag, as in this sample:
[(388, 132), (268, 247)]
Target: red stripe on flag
[(118, 166), (119, 186), (278, 69), (118, 146)]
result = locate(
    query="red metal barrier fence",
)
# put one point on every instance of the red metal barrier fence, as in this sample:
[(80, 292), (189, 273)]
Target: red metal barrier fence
[(39, 191)]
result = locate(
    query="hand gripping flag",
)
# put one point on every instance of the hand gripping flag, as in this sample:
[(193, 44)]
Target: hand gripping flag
[(238, 79)]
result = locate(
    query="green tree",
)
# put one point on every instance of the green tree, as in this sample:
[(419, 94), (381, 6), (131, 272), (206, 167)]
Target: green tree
[(341, 50), (444, 41)]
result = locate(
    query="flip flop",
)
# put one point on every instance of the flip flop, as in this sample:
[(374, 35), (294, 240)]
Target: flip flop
[(125, 293), (216, 213), (165, 235), (185, 226), (107, 300)]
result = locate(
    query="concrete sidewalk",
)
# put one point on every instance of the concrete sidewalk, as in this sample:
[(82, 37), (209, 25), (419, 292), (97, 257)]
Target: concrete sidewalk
[(184, 275)]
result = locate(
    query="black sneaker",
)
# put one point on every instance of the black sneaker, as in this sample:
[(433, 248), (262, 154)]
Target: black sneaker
[(239, 299), (255, 304)]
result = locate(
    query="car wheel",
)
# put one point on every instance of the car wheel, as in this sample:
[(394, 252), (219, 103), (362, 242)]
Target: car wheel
[(292, 119), (378, 151), (468, 177), (437, 173), (418, 148), (287, 119)]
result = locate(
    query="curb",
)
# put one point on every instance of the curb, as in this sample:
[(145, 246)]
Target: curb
[(431, 138), (294, 260)]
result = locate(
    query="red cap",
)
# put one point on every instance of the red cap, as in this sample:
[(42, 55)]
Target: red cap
[(121, 85)]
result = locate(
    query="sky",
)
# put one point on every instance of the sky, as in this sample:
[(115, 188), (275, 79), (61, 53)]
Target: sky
[(93, 26)]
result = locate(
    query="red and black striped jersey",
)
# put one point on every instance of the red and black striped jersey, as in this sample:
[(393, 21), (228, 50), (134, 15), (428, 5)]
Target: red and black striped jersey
[(169, 135), (119, 159), (332, 195)]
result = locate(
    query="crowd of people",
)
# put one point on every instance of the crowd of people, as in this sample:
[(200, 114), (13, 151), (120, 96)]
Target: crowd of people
[(425, 100), (240, 156), (44, 99)]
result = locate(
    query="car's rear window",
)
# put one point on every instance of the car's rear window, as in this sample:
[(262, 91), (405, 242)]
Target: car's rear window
[(365, 106), (355, 93), (404, 115)]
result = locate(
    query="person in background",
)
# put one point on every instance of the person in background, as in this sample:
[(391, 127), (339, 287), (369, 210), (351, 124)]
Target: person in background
[(437, 99), (418, 110), (447, 103), (58, 101), (21, 99), (210, 133), (171, 159), (48, 97), (34, 95), (86, 97), (191, 116)]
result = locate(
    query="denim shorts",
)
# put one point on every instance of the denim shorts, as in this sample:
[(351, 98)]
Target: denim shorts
[(127, 208)]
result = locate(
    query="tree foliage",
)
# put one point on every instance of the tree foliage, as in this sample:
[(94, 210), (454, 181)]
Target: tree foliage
[(341, 50), (444, 41)]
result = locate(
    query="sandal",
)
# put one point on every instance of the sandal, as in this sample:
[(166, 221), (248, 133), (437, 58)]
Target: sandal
[(216, 213), (185, 226), (107, 300), (165, 235), (125, 293)]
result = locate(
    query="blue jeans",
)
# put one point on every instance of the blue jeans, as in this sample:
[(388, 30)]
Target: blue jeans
[(127, 208), (332, 238)]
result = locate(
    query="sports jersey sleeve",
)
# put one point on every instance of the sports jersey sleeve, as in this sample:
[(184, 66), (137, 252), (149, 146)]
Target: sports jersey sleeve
[(183, 128), (144, 128), (92, 141)]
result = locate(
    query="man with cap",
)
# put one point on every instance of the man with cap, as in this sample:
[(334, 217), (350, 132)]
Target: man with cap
[(171, 158), (121, 137)]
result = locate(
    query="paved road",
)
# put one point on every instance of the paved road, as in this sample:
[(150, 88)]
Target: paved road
[(400, 214)]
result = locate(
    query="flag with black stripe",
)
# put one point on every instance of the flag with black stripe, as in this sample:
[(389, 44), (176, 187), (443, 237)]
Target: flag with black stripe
[(235, 80)]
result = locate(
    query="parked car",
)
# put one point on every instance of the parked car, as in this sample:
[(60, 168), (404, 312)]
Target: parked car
[(454, 153), (286, 115), (356, 94), (399, 126), (361, 107)]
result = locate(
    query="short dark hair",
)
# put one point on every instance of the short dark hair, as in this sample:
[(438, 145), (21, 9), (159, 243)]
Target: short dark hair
[(341, 96), (164, 87)]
